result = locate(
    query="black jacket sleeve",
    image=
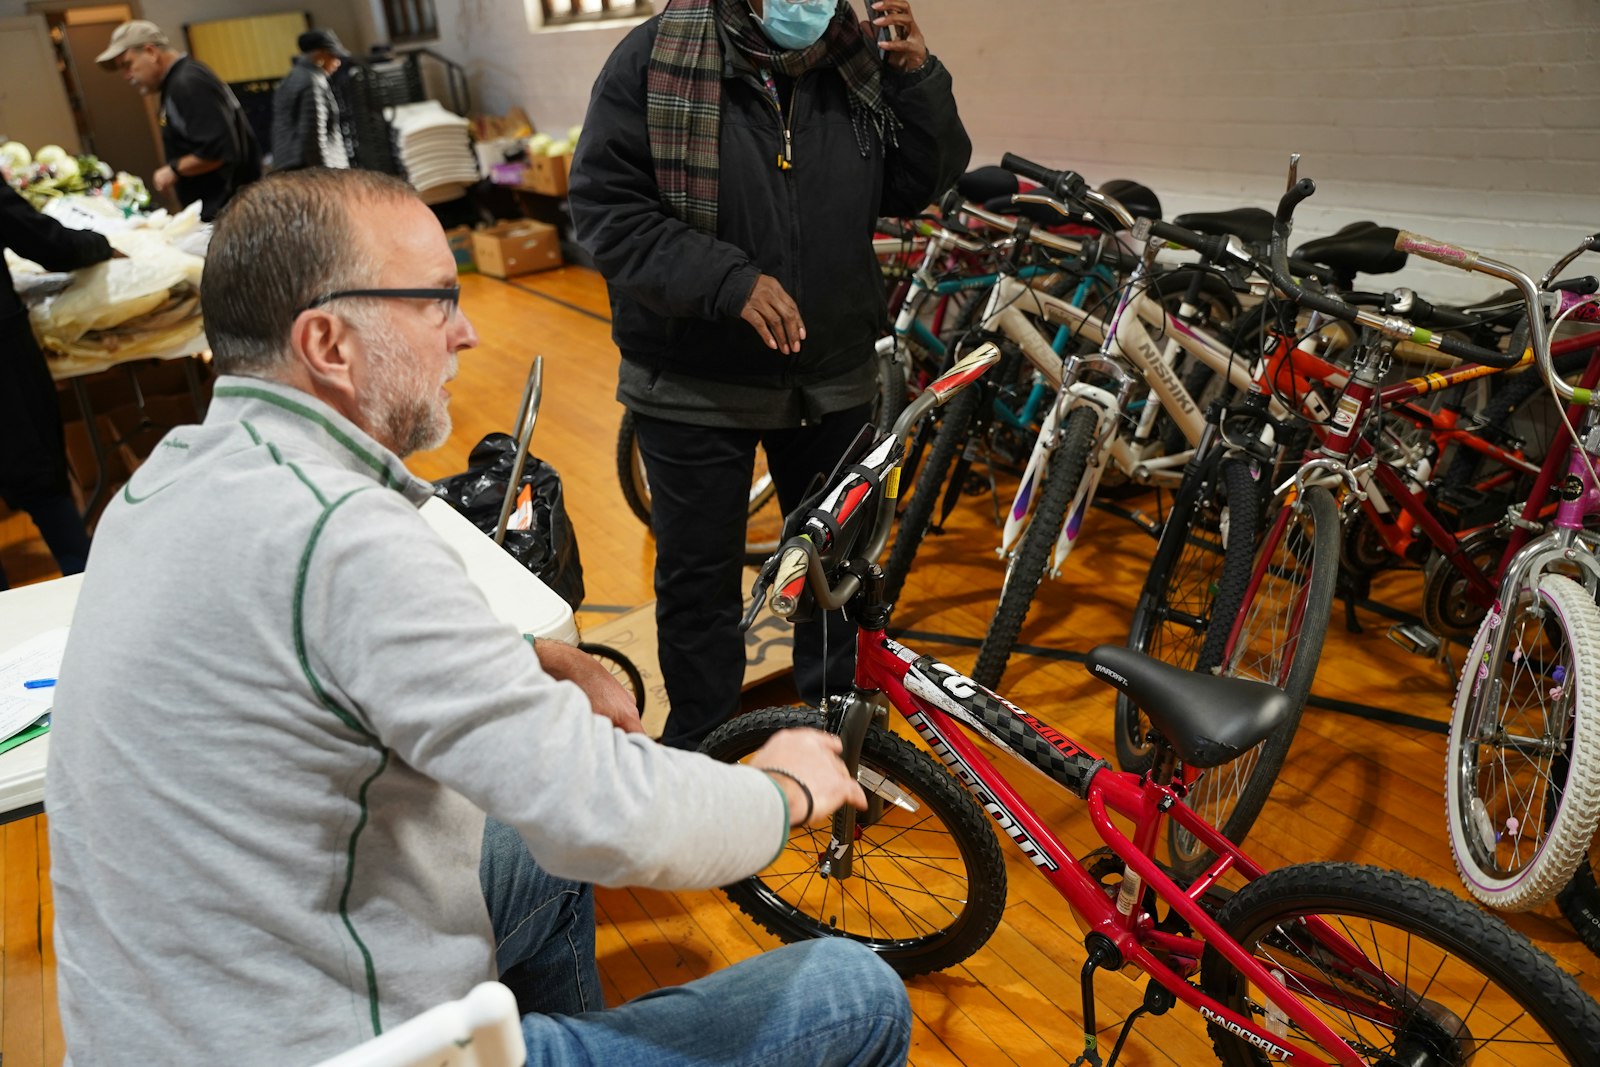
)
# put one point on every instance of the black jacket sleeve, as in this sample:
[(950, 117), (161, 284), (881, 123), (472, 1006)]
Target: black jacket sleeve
[(932, 148), (658, 260), (288, 107), (42, 239)]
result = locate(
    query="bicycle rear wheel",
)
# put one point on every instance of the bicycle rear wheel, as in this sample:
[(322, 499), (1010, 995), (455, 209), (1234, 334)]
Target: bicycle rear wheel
[(1522, 777), (1406, 973), (764, 517), (1196, 584), (1278, 639), (1068, 465), (928, 886), (1580, 900)]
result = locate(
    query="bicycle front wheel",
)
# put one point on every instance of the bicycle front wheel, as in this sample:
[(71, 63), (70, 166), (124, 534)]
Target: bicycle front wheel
[(1402, 971), (948, 441), (1278, 639), (1580, 900), (1068, 464), (1522, 777), (928, 885), (1197, 582)]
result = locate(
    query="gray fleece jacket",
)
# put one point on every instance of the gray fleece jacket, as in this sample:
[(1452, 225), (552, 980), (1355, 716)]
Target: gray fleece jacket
[(283, 712)]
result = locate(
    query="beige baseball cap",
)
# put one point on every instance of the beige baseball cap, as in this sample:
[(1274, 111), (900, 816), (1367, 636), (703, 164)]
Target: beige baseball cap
[(134, 34)]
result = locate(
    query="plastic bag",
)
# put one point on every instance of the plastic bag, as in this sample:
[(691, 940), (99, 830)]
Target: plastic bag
[(548, 547)]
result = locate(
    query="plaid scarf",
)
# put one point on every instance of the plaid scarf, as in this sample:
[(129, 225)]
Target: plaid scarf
[(684, 93)]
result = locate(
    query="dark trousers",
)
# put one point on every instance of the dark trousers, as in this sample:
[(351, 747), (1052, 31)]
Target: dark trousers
[(699, 492), (33, 457)]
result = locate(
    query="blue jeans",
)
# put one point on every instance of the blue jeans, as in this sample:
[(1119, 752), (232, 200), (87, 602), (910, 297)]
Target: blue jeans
[(818, 1002)]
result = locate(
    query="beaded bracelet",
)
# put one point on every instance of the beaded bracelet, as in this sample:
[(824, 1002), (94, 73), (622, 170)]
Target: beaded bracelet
[(811, 804)]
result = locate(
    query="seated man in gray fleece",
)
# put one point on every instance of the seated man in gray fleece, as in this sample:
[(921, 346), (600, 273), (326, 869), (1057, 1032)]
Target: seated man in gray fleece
[(298, 767)]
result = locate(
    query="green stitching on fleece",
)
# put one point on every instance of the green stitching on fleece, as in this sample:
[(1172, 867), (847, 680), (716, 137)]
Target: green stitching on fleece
[(299, 623), (389, 480), (349, 720), (344, 899)]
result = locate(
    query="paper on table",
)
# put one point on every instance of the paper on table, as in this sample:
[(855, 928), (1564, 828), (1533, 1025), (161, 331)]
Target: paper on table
[(37, 657)]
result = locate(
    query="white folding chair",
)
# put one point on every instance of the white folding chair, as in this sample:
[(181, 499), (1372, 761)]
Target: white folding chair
[(482, 1029)]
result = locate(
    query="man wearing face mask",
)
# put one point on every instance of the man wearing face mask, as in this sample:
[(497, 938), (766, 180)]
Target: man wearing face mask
[(735, 156)]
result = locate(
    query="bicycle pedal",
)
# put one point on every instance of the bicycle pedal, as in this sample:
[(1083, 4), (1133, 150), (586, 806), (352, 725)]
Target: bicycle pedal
[(1416, 638)]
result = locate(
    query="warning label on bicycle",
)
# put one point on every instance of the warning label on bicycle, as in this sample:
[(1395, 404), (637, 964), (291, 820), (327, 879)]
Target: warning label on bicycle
[(1349, 408)]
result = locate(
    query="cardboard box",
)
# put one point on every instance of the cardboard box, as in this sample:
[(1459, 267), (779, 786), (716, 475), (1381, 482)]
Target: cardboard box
[(460, 238), (547, 175), (519, 246)]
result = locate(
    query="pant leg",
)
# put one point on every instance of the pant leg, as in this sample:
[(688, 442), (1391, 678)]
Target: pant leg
[(822, 660), (824, 1002), (699, 492), (61, 526), (543, 928)]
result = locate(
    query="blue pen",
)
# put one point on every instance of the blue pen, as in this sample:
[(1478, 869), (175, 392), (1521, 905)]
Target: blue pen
[(39, 683)]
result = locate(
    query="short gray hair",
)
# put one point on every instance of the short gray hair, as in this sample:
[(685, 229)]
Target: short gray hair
[(279, 244)]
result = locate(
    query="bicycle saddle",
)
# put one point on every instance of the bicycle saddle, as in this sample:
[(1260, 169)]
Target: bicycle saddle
[(1140, 200), (1252, 225), (1207, 720), (1360, 247)]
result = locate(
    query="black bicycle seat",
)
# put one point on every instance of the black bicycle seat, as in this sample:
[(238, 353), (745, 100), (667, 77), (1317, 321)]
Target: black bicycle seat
[(1207, 720), (1252, 225), (1361, 247)]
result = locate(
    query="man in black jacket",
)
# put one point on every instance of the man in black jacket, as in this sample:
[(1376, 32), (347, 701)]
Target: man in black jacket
[(735, 157), (33, 457), (211, 151), (305, 115)]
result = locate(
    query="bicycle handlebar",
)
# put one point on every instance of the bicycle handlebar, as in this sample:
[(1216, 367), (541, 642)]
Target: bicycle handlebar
[(798, 563), (1392, 326)]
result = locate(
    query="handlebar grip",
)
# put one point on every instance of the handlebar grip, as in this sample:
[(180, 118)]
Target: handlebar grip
[(1026, 168), (1438, 251), (789, 580), (1209, 246), (1451, 346), (1291, 199)]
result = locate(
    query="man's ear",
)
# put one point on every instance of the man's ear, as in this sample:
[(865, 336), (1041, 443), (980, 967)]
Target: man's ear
[(327, 350)]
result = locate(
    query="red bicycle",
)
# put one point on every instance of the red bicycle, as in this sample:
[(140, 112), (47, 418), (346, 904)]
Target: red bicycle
[(1316, 963)]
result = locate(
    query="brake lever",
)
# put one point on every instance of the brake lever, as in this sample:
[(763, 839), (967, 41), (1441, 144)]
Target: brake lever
[(758, 592)]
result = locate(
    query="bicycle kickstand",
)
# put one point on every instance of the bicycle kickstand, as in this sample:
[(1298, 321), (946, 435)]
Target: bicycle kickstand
[(1157, 1001)]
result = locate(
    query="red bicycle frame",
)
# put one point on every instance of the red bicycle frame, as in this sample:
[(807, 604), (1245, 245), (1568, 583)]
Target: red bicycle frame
[(937, 702)]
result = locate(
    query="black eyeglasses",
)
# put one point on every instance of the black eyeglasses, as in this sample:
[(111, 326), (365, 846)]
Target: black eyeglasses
[(450, 298)]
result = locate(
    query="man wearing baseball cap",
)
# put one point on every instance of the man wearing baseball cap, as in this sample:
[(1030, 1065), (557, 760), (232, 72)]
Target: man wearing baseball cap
[(210, 149), (305, 114)]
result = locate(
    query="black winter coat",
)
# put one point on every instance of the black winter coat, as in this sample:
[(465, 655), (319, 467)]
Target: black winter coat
[(676, 293), (32, 448)]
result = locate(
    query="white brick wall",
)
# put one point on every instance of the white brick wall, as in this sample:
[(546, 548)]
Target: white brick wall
[(1474, 121)]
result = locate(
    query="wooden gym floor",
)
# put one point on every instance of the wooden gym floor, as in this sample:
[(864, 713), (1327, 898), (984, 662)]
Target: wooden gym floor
[(1361, 788)]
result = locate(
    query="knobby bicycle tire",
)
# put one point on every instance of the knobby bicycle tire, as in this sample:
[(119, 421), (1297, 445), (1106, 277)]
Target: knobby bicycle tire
[(945, 853), (948, 441), (1281, 627), (1580, 902), (1436, 980), (1522, 778), (1195, 586), (1068, 463)]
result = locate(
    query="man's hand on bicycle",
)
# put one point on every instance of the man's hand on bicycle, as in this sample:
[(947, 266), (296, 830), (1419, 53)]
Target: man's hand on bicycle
[(810, 757), (774, 315)]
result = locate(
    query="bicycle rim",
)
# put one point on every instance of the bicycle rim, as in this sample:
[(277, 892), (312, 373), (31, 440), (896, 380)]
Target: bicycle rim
[(1409, 975), (1278, 639), (927, 887), (1521, 781)]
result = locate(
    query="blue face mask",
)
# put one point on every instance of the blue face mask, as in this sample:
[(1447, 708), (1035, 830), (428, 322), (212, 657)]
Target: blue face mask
[(795, 24)]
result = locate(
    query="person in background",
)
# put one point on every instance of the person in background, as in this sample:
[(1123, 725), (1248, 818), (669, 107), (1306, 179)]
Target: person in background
[(305, 115), (735, 157), (33, 456), (304, 785), (211, 151)]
